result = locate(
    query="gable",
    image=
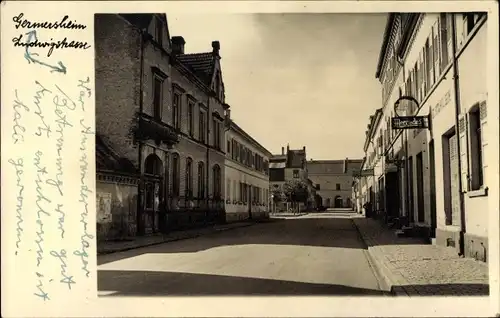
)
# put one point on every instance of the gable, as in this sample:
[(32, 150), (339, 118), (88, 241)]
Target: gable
[(155, 24)]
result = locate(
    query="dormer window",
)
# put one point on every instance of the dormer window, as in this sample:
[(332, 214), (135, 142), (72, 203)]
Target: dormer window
[(159, 32)]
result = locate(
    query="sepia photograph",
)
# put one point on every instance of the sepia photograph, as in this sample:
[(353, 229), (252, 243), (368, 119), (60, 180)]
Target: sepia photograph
[(292, 154)]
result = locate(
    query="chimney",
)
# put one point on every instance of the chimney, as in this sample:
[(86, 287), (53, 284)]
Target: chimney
[(228, 118), (178, 45), (287, 148), (215, 47), (282, 150), (345, 164), (304, 148)]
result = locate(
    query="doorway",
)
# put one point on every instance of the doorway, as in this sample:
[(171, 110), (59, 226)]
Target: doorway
[(411, 207), (153, 194), (338, 202), (432, 171), (420, 188), (392, 194), (327, 203)]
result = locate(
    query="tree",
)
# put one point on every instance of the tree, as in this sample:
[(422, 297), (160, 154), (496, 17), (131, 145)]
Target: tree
[(296, 191), (277, 194)]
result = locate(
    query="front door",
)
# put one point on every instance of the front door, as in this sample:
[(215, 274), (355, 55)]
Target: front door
[(153, 194), (454, 178), (392, 194), (432, 171), (420, 188)]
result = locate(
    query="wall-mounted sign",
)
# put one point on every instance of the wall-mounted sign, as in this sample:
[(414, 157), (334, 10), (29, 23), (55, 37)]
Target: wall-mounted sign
[(410, 122), (363, 173)]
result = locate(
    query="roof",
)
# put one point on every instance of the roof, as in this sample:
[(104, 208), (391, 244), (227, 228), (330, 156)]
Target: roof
[(201, 64), (249, 138), (332, 166), (142, 20), (108, 160), (296, 158), (276, 158), (385, 42), (277, 165)]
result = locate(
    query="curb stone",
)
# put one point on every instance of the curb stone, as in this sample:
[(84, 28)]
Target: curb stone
[(383, 274), (174, 239)]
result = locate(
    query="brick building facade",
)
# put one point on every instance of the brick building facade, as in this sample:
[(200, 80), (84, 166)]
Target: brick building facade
[(161, 111)]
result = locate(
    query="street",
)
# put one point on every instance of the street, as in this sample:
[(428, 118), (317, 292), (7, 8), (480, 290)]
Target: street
[(315, 254)]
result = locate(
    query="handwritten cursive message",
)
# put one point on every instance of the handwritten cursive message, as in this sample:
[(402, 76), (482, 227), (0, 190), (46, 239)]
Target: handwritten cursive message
[(47, 183)]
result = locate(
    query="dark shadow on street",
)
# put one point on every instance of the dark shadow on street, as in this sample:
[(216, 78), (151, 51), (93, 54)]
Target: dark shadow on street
[(319, 230), (150, 283), (447, 289)]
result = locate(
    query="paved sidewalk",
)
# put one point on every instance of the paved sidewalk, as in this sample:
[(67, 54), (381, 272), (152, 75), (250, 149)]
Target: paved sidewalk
[(107, 247), (287, 214), (410, 267)]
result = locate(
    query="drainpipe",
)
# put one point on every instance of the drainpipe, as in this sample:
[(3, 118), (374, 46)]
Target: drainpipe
[(207, 186), (139, 212), (456, 82)]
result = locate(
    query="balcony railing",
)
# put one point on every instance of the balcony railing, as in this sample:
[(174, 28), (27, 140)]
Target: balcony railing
[(151, 128)]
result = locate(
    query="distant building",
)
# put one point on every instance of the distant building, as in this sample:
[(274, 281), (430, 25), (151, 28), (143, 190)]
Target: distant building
[(334, 179), (288, 166), (247, 176)]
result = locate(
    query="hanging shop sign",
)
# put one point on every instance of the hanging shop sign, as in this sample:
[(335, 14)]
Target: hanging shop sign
[(410, 122), (364, 173)]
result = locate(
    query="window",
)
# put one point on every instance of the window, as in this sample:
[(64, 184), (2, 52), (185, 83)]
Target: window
[(296, 173), (445, 31), (476, 151), (337, 187), (228, 146), (175, 175), (190, 118), (228, 189), (157, 96), (216, 129), (201, 181), (202, 132), (189, 178), (216, 182), (176, 110)]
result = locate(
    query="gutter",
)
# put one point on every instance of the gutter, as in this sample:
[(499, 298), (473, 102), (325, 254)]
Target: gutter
[(383, 50), (141, 107), (457, 132)]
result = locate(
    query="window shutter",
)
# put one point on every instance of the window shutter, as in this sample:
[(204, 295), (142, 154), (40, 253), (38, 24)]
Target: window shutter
[(464, 160), (484, 140)]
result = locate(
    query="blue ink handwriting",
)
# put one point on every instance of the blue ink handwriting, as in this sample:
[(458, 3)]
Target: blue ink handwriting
[(40, 197), (17, 135), (38, 97), (18, 165), (61, 68), (41, 293), (84, 191), (62, 216), (62, 257)]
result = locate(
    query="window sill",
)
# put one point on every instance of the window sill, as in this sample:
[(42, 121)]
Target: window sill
[(482, 192)]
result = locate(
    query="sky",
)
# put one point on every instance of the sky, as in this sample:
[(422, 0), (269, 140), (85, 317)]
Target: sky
[(299, 79)]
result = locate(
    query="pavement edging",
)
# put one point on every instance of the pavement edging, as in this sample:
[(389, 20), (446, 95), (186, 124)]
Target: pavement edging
[(383, 274), (174, 239)]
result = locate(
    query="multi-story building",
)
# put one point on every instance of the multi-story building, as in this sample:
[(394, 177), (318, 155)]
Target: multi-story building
[(334, 178), (247, 176), (161, 113), (437, 60), (284, 167)]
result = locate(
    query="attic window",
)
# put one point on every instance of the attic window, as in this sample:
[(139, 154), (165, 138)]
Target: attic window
[(159, 32)]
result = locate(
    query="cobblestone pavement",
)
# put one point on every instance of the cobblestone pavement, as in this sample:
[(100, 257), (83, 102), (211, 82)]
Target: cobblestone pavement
[(411, 267), (107, 247)]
